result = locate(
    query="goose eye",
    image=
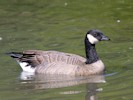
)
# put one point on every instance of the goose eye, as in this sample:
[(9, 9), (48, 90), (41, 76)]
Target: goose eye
[(95, 35)]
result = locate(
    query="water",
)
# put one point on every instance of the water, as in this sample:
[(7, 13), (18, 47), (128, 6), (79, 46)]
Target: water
[(61, 25)]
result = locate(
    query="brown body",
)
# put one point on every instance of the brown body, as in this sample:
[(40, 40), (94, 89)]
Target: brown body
[(53, 62)]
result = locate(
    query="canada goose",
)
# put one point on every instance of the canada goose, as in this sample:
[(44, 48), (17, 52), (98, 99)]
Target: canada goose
[(54, 62)]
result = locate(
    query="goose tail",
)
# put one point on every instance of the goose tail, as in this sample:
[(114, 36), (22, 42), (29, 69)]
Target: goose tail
[(24, 60), (15, 54)]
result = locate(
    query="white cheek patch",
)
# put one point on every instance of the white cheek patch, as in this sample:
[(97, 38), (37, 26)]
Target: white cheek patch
[(26, 68), (92, 39)]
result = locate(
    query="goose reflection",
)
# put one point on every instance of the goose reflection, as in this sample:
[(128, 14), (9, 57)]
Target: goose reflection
[(92, 90), (41, 81)]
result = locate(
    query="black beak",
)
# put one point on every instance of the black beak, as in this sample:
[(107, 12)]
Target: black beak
[(105, 38)]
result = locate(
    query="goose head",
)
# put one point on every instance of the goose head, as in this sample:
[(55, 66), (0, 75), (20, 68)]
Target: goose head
[(94, 36)]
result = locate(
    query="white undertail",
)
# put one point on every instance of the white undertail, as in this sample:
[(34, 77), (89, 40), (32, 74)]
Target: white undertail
[(26, 67)]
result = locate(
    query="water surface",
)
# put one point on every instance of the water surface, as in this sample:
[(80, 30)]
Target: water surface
[(61, 25)]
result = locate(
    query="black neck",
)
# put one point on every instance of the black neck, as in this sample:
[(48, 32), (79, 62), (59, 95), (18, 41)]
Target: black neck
[(91, 53)]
